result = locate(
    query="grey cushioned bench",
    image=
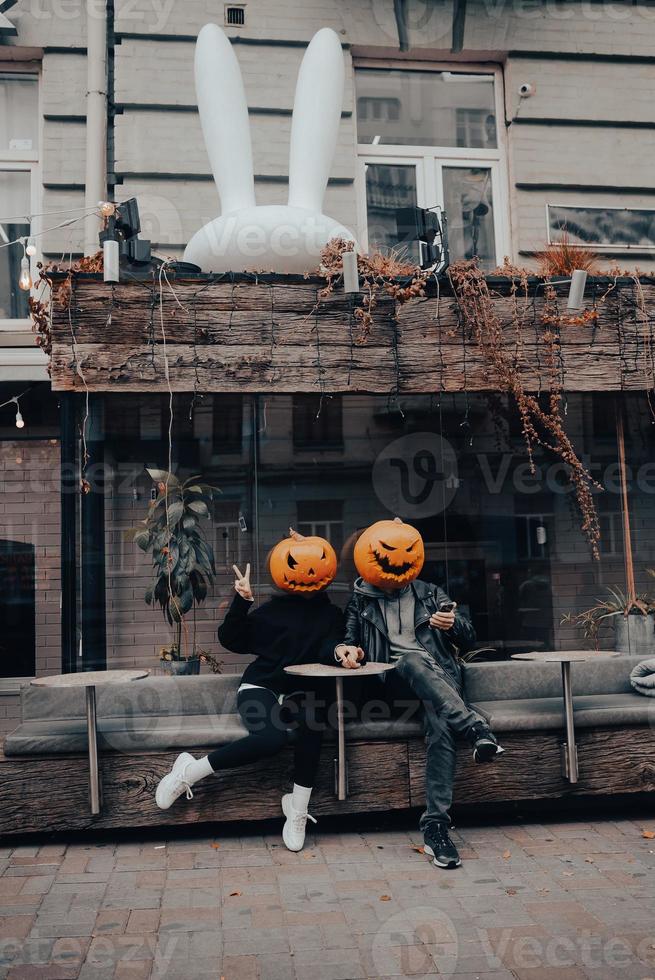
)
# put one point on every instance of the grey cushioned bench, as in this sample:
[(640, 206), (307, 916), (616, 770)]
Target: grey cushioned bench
[(170, 713)]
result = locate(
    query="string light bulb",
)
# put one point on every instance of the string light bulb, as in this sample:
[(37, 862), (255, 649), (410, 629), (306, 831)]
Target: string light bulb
[(107, 208), (20, 421), (31, 246), (25, 280)]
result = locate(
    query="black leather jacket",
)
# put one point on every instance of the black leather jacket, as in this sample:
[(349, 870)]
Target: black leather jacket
[(365, 626)]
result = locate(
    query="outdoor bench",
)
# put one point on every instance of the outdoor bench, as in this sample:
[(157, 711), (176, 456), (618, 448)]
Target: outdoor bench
[(143, 725)]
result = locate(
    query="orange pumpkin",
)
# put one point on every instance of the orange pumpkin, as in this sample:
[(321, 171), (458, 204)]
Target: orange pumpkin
[(389, 554), (302, 564)]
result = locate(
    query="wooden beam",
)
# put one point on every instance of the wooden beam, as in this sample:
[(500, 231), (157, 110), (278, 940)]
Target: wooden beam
[(282, 336)]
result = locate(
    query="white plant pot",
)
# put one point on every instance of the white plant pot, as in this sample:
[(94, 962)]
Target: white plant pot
[(635, 634)]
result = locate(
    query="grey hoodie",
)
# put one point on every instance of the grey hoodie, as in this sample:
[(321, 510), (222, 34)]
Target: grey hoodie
[(398, 611)]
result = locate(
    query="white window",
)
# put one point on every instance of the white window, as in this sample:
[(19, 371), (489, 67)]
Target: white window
[(19, 187), (429, 137)]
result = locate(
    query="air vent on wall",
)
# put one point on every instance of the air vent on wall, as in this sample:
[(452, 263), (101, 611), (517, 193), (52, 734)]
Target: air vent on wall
[(235, 16)]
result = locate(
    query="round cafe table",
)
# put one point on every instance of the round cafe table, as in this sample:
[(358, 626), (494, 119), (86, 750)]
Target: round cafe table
[(340, 675), (566, 658), (88, 680)]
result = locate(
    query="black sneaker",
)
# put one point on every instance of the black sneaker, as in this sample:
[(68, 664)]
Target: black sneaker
[(485, 744), (438, 845)]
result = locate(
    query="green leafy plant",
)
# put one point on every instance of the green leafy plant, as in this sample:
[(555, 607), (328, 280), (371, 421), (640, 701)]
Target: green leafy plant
[(182, 558), (604, 611)]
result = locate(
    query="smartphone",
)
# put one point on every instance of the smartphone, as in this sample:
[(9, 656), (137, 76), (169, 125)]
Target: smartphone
[(446, 606)]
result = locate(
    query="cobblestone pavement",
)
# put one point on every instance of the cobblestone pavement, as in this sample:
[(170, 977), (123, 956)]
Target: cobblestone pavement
[(534, 902)]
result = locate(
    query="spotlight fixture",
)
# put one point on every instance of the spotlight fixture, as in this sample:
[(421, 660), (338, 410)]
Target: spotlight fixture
[(120, 240)]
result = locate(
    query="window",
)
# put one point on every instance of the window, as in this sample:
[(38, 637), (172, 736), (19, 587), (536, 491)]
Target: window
[(317, 422), (602, 227), (19, 118), (228, 423), (322, 517), (429, 138)]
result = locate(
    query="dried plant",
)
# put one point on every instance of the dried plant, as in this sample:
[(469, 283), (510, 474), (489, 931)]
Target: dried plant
[(561, 258), (605, 610), (378, 272), (540, 426)]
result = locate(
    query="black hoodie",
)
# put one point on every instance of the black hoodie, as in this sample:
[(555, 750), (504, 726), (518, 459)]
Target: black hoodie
[(286, 630)]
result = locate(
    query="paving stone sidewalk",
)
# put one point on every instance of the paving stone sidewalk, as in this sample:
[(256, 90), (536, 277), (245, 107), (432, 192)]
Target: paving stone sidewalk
[(560, 901)]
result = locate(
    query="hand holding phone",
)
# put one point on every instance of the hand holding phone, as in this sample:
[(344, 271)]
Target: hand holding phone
[(444, 619)]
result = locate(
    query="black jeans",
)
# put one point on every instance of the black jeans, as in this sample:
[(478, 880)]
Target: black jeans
[(299, 721), (446, 716)]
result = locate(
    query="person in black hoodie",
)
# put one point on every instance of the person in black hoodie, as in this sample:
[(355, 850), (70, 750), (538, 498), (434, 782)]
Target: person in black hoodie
[(298, 627)]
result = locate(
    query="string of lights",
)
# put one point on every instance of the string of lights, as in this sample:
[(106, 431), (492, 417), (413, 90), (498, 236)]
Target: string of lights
[(20, 421), (25, 281)]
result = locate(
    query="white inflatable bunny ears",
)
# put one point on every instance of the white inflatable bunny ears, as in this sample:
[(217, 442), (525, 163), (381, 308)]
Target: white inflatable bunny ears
[(278, 238)]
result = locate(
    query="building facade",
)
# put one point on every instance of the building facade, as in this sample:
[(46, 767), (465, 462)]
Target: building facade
[(520, 120)]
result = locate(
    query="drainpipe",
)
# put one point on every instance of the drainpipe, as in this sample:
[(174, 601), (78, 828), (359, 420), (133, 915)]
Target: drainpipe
[(96, 120)]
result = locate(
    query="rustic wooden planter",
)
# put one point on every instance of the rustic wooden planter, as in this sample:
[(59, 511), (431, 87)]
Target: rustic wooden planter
[(275, 334)]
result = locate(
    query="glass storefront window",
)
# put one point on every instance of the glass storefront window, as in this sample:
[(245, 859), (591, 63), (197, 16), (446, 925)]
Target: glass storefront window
[(506, 544)]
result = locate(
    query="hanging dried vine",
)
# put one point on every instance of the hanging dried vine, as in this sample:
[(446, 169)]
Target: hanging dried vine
[(540, 426)]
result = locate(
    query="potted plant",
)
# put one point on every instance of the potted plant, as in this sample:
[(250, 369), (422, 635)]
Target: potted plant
[(183, 561), (633, 621)]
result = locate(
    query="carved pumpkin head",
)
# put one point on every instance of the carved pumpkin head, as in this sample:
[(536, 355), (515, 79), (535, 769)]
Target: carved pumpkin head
[(389, 554), (302, 564)]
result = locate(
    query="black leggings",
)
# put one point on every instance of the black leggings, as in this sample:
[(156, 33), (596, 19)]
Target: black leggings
[(298, 721)]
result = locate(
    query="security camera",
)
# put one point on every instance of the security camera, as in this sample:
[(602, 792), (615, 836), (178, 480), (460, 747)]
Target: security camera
[(526, 90)]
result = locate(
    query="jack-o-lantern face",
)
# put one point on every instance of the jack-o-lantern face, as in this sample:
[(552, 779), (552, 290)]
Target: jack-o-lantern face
[(299, 564), (389, 554)]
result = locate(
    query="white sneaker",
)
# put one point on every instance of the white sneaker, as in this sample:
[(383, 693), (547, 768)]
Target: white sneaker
[(293, 832), (174, 783)]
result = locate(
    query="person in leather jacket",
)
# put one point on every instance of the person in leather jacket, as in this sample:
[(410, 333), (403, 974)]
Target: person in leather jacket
[(417, 626)]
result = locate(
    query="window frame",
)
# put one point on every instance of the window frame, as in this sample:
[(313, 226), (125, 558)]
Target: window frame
[(429, 178), (26, 161), (599, 207)]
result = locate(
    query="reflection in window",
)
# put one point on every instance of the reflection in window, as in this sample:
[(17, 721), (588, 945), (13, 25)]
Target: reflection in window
[(389, 187), (14, 200), (19, 117), (317, 422), (228, 423), (469, 205), (322, 517), (604, 227), (436, 108)]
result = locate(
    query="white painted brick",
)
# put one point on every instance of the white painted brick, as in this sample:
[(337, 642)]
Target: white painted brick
[(148, 72), (64, 84), (64, 152), (149, 142)]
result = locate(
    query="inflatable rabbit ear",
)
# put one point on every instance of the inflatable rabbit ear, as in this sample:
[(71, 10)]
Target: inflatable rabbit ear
[(224, 118), (316, 118)]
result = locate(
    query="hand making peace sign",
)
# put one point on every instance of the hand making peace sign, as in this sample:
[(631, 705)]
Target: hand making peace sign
[(242, 583)]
